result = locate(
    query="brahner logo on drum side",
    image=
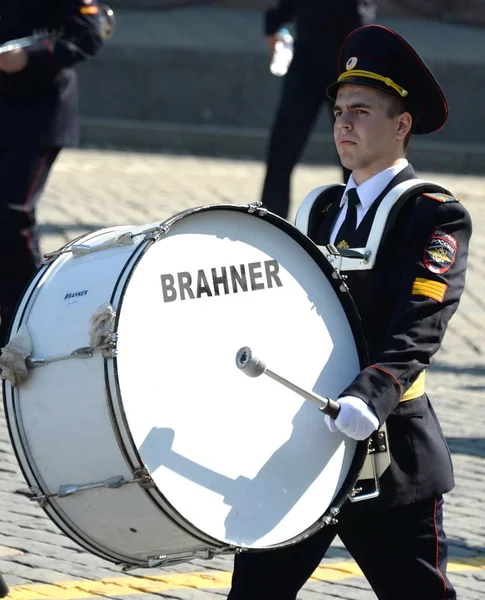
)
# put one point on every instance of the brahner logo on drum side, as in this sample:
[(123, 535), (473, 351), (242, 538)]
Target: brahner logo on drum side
[(223, 280)]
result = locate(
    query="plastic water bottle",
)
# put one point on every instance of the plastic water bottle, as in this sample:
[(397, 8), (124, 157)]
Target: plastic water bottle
[(283, 53)]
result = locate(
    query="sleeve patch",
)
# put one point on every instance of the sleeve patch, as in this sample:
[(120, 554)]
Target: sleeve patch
[(440, 252), (429, 288), (89, 10), (441, 197)]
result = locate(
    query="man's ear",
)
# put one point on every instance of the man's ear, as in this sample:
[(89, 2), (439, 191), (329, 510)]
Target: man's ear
[(404, 125)]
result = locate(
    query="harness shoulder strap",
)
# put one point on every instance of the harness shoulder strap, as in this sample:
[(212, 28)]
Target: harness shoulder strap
[(312, 206), (364, 258)]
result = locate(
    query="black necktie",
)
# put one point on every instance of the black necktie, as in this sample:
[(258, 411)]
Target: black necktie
[(343, 238)]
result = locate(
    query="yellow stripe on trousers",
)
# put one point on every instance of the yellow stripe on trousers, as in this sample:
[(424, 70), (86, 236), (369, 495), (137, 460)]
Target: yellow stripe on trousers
[(209, 580)]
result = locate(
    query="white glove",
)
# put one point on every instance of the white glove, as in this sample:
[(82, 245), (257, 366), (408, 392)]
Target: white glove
[(356, 419)]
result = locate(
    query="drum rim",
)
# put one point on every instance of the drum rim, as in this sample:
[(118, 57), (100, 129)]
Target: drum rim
[(131, 453)]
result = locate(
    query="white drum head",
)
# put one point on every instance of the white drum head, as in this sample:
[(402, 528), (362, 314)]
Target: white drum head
[(245, 461)]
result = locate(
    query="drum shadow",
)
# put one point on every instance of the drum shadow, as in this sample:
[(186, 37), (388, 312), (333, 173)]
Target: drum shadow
[(259, 504)]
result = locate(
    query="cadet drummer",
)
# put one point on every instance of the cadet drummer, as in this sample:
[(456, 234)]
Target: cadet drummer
[(383, 95)]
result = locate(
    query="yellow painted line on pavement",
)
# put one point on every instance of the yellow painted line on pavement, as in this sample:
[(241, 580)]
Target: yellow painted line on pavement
[(210, 580)]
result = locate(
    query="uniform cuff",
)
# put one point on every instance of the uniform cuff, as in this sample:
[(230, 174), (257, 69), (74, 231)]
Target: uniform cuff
[(378, 388)]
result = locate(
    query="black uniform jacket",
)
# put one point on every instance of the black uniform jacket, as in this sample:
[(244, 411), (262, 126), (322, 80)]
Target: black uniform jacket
[(323, 24), (39, 105), (405, 303)]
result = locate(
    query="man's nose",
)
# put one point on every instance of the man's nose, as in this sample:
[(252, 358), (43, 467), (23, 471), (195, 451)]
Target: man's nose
[(344, 122)]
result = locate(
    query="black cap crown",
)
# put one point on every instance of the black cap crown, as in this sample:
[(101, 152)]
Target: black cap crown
[(379, 57)]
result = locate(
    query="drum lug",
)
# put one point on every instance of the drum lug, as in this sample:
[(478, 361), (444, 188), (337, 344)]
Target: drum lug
[(52, 256), (143, 478), (109, 350), (253, 206), (257, 207), (154, 233), (331, 519), (35, 495)]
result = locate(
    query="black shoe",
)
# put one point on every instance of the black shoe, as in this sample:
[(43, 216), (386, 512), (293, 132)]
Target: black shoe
[(3, 588)]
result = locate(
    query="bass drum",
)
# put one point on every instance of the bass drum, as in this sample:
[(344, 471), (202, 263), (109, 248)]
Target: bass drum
[(153, 447)]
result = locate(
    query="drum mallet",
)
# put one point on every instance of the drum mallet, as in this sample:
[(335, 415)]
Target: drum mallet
[(254, 367)]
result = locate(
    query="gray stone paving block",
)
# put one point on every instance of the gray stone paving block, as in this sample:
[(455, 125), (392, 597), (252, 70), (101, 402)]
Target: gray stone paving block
[(352, 588), (467, 582)]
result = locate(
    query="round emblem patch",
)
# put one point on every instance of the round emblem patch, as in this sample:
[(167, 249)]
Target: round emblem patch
[(440, 252), (351, 63)]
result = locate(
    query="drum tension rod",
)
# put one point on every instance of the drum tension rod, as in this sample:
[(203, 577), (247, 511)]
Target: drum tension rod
[(108, 350), (140, 476), (254, 367), (84, 352)]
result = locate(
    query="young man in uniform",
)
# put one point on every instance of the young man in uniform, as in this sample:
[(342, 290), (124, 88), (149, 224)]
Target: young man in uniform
[(38, 117), (384, 93)]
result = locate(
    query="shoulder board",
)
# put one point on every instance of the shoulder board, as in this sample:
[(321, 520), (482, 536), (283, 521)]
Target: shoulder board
[(442, 197)]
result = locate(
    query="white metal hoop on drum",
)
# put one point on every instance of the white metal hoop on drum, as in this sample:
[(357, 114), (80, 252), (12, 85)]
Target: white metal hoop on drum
[(155, 449)]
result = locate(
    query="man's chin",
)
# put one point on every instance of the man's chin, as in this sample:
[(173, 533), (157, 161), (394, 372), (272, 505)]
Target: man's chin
[(347, 162)]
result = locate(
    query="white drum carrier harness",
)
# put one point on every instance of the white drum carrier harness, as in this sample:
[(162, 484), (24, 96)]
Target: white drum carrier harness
[(362, 259)]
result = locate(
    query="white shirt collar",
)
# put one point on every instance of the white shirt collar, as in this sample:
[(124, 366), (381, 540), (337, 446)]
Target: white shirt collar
[(373, 187)]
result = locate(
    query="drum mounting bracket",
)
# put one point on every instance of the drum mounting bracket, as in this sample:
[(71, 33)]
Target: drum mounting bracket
[(378, 447), (163, 560)]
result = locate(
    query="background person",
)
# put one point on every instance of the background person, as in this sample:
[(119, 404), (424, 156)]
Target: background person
[(38, 117), (321, 27)]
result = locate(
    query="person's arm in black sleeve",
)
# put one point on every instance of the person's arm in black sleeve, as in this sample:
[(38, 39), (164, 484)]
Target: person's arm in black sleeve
[(428, 294), (275, 18), (80, 39)]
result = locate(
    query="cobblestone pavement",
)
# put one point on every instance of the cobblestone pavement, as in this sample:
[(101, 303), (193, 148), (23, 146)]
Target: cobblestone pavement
[(90, 189)]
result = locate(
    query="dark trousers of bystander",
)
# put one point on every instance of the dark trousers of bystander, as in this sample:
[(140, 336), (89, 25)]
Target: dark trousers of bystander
[(302, 97), (23, 175)]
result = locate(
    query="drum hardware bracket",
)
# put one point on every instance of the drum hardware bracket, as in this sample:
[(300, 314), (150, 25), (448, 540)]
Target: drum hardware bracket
[(333, 251), (125, 239), (257, 207), (141, 477), (331, 519), (163, 560), (336, 255), (377, 444), (108, 350), (154, 233), (84, 352)]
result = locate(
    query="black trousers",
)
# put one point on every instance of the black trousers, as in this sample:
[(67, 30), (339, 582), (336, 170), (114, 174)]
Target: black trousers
[(23, 175), (303, 94), (402, 551)]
